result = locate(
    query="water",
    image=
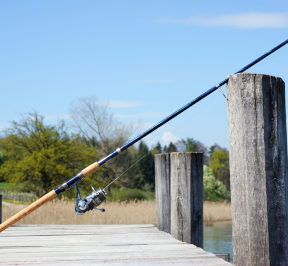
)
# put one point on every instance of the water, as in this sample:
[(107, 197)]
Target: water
[(218, 238)]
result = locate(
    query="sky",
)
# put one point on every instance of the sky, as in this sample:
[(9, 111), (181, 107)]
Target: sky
[(147, 58)]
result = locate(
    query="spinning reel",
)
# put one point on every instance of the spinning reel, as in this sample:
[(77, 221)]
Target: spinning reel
[(89, 203)]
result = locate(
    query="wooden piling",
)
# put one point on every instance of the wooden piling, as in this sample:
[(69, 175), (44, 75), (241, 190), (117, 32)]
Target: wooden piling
[(162, 191), (258, 168), (187, 197)]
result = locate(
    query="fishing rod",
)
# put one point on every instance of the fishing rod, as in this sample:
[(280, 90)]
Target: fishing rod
[(97, 197)]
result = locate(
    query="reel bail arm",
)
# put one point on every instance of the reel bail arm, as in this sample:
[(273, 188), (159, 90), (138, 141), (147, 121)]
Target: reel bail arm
[(91, 202)]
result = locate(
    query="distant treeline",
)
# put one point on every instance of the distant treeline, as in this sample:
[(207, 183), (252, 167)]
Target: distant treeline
[(215, 157), (41, 156)]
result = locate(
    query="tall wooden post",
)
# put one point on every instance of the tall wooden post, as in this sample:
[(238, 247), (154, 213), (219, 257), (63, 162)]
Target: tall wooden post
[(258, 168), (187, 197), (162, 191)]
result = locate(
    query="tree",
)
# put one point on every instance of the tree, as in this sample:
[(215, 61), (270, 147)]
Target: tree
[(157, 149), (219, 164), (40, 156), (170, 148), (213, 148), (96, 123), (98, 126), (2, 158), (214, 189), (180, 145), (193, 145), (145, 167)]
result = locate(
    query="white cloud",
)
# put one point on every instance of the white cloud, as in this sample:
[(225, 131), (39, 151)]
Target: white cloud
[(168, 137), (125, 104), (248, 20)]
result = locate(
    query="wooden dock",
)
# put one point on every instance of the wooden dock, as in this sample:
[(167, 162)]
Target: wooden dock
[(98, 245)]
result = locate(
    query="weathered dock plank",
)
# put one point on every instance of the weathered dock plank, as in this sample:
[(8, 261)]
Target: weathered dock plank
[(98, 244)]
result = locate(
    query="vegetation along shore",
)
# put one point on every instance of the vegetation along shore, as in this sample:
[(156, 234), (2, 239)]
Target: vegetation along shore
[(36, 157), (117, 212)]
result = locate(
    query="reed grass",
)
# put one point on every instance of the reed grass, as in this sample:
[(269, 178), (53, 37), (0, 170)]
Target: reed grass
[(132, 212), (216, 212), (17, 196), (62, 212)]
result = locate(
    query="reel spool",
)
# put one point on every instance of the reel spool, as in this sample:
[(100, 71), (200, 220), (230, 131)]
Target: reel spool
[(92, 201)]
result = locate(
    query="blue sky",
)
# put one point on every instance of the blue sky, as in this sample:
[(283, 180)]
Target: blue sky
[(148, 58)]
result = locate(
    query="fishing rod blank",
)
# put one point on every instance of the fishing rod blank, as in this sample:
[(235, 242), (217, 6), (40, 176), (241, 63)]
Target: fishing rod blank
[(93, 200)]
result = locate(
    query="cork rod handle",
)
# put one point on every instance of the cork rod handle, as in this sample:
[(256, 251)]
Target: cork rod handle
[(35, 205), (90, 169), (38, 203)]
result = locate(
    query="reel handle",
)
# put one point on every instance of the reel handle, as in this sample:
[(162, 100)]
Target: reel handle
[(101, 210)]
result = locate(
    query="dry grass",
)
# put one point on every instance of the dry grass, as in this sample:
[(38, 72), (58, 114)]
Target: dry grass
[(216, 212), (135, 212), (62, 212)]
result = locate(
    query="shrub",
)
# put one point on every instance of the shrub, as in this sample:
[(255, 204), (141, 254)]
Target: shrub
[(128, 194), (18, 196), (214, 190)]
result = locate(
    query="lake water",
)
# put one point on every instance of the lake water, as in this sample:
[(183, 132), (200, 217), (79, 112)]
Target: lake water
[(218, 238)]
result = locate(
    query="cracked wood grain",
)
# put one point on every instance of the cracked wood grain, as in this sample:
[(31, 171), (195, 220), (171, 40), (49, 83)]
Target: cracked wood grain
[(187, 197), (258, 168)]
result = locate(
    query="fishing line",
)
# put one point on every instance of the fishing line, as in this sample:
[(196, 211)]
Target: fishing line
[(163, 140), (265, 61), (222, 93), (97, 197), (127, 169)]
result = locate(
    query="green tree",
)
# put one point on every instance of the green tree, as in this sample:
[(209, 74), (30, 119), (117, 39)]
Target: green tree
[(157, 149), (40, 156), (214, 148), (219, 164), (2, 158), (145, 167), (214, 189), (191, 145), (170, 148)]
